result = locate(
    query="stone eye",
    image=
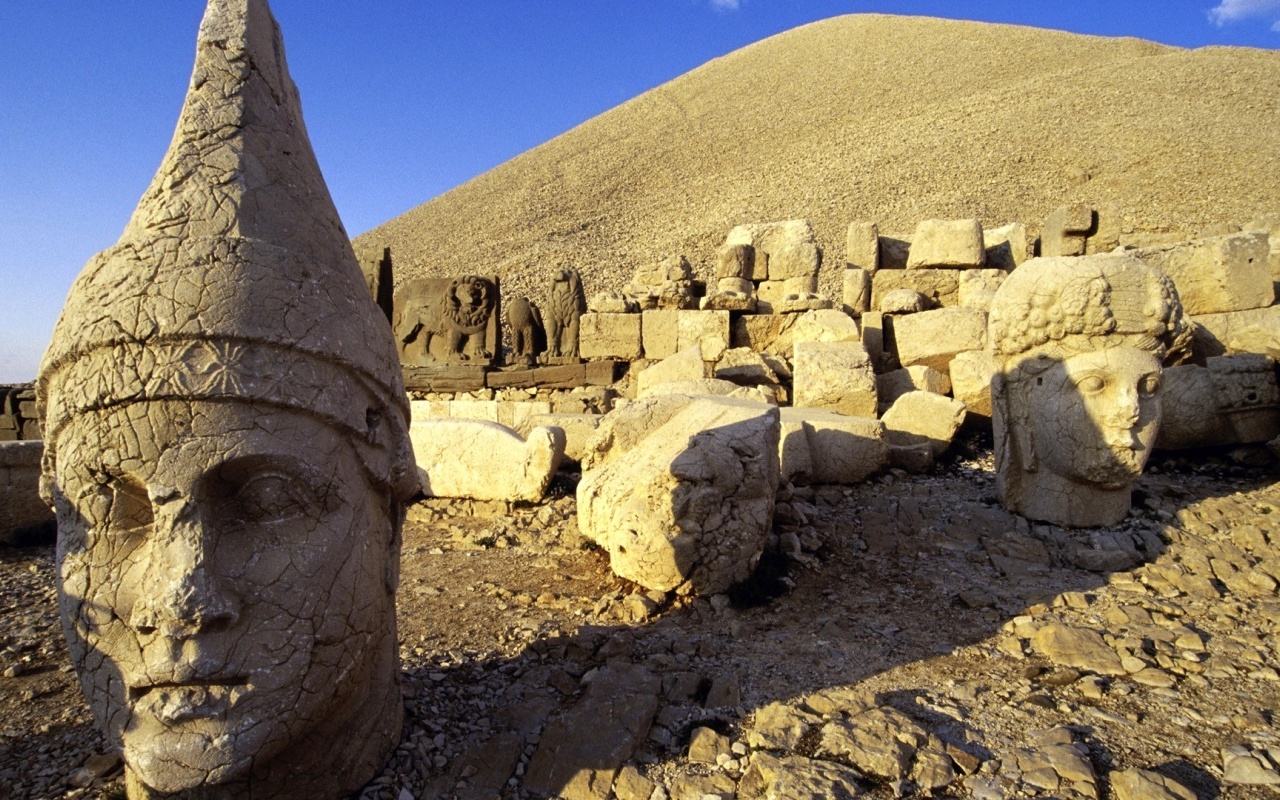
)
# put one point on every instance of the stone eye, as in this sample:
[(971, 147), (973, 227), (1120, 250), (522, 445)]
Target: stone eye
[(1091, 384), (1149, 384), (271, 498)]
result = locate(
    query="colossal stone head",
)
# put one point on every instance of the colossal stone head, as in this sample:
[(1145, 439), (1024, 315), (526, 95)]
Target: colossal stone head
[(226, 448), (1079, 345)]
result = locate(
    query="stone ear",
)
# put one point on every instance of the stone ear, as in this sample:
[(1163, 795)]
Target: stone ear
[(1024, 443)]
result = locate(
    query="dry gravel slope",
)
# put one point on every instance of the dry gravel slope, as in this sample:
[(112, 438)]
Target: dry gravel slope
[(873, 117)]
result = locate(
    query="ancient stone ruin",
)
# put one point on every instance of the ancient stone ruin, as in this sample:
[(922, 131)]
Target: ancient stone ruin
[(228, 454)]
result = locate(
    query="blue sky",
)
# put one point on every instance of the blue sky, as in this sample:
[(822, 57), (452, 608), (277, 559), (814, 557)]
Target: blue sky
[(404, 99)]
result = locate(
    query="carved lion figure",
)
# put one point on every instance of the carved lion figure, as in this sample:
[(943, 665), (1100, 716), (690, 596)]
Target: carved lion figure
[(527, 332), (459, 311), (568, 304)]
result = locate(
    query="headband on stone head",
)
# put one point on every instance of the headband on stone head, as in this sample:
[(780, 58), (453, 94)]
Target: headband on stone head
[(234, 280), (1054, 307)]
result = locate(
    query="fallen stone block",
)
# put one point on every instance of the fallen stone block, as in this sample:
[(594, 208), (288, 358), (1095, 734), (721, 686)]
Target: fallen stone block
[(613, 303), (25, 519), (483, 460), (856, 291), (578, 430), (746, 367), (895, 383), (827, 325), (691, 504), (610, 336), (940, 286), (934, 338), (1006, 246), (764, 333), (1105, 232), (862, 247), (836, 376), (1216, 333), (806, 284), (1220, 274), (794, 303), (821, 446), (947, 243), (916, 457), (1066, 230), (918, 417), (1231, 400), (971, 373), (516, 414), (736, 261), (873, 338), (686, 365)]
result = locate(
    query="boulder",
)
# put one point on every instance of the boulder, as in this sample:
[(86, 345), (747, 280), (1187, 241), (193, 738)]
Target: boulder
[(478, 460), (748, 368), (690, 506), (686, 365), (1141, 784), (836, 376), (764, 333), (821, 446), (947, 243), (918, 417), (933, 338), (904, 301), (610, 336), (862, 247), (1219, 274)]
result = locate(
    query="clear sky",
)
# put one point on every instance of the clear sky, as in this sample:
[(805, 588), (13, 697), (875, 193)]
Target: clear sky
[(404, 99)]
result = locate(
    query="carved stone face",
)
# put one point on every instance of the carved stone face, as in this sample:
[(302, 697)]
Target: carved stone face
[(1094, 416), (227, 574)]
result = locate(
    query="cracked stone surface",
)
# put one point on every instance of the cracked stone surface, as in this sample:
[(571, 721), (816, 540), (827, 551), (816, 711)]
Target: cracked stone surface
[(227, 454), (1079, 346)]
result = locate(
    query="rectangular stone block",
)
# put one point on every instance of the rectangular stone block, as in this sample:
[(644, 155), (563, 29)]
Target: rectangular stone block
[(947, 243), (515, 414), (610, 336), (782, 249), (820, 446), (1232, 400), (706, 329), (1006, 246), (764, 333), (862, 247), (895, 383), (856, 293), (971, 373), (1065, 231), (1215, 334), (933, 338), (873, 338), (735, 261), (835, 375), (893, 251), (429, 409), (806, 284), (24, 516), (661, 329), (768, 294), (941, 286), (1219, 274), (486, 410)]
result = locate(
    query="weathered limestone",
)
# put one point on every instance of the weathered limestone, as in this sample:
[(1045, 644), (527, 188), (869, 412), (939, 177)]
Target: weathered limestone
[(821, 446), (578, 430), (1217, 275), (979, 286), (1141, 784), (476, 460), (862, 247), (708, 330), (528, 336), (933, 338), (666, 284), (971, 373), (686, 365), (836, 376), (894, 384), (947, 243), (873, 338), (613, 303), (782, 249), (689, 506), (904, 301), (565, 306), (1006, 246), (940, 286), (736, 261), (227, 446), (610, 336), (825, 326), (924, 417), (24, 517), (1066, 230), (447, 320), (660, 330), (764, 333), (856, 291), (1223, 334), (1232, 400), (1076, 399)]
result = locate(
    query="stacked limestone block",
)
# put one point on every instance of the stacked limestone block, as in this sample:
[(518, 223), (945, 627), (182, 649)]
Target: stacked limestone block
[(780, 259), (667, 284)]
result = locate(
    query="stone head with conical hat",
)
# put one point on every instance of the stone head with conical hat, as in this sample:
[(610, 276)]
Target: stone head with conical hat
[(1079, 345), (227, 452)]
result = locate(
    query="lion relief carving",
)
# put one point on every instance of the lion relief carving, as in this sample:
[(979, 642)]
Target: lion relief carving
[(449, 320)]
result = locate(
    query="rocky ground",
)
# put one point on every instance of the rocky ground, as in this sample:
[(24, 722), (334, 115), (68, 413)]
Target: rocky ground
[(905, 637)]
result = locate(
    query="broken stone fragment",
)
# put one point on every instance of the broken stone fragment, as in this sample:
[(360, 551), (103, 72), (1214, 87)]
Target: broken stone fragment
[(1066, 230), (862, 247), (1077, 647), (933, 338), (824, 447), (686, 365), (478, 460), (924, 417), (611, 336), (690, 505), (1219, 274), (947, 243), (1141, 784), (940, 287), (836, 376)]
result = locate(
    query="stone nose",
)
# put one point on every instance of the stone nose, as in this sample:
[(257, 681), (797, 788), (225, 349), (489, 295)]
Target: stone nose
[(181, 594), (1127, 409)]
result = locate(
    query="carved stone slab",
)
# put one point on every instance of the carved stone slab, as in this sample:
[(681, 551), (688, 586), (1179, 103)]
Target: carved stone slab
[(448, 320)]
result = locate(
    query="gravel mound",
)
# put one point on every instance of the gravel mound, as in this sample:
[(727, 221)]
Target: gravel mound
[(869, 117)]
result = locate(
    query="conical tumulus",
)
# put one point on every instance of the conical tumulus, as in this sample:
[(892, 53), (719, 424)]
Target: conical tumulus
[(235, 275)]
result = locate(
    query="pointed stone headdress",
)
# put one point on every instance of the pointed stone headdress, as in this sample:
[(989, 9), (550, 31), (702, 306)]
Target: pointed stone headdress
[(234, 279)]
